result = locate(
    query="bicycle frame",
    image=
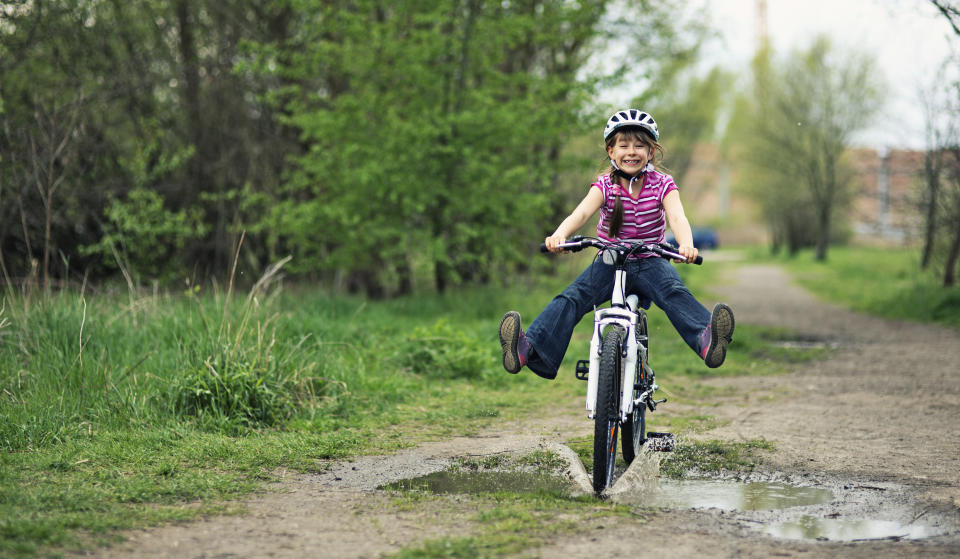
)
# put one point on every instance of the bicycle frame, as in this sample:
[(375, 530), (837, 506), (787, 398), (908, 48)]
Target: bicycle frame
[(624, 313)]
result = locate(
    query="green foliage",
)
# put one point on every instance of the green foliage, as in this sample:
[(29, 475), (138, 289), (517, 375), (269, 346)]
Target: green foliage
[(445, 350), (145, 237), (426, 165), (224, 391), (386, 147)]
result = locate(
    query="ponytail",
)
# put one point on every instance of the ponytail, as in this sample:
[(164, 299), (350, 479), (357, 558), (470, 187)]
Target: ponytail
[(616, 218)]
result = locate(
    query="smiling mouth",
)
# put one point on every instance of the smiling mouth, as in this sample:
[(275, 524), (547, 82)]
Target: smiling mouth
[(631, 161)]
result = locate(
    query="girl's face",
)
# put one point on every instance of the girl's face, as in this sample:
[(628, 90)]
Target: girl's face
[(630, 152)]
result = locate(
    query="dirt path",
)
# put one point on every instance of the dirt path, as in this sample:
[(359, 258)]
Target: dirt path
[(881, 416)]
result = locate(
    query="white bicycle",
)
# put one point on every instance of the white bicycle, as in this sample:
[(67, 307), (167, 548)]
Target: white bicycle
[(620, 382)]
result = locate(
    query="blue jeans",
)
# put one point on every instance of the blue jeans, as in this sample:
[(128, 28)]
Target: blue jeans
[(653, 279)]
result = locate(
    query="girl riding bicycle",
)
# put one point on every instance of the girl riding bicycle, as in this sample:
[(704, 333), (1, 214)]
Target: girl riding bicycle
[(636, 202)]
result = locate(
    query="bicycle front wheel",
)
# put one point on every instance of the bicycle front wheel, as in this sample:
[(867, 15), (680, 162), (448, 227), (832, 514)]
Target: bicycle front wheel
[(634, 431), (607, 418)]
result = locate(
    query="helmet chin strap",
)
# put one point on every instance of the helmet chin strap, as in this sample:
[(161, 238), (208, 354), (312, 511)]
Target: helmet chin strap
[(618, 171)]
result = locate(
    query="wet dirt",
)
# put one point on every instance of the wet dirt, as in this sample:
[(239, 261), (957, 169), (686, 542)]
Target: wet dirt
[(876, 423)]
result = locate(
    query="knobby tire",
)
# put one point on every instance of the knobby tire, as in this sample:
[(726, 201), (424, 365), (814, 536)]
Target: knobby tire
[(607, 418), (634, 431)]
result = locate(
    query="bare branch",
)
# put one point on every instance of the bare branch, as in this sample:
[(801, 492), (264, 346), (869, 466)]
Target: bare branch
[(952, 13)]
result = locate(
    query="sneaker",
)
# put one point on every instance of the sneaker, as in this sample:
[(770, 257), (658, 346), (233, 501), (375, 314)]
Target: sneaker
[(510, 336), (720, 332)]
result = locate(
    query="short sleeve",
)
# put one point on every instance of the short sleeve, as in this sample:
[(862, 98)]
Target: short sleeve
[(602, 183), (668, 186)]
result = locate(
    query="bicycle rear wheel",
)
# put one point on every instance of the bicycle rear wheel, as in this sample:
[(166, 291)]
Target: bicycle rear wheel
[(607, 418)]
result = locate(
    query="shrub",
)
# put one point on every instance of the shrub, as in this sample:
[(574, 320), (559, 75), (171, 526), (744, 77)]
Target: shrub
[(445, 351)]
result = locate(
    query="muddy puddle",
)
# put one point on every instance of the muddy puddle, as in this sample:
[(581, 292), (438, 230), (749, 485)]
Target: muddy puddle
[(783, 510), (814, 528), (780, 509), (724, 495), (475, 483)]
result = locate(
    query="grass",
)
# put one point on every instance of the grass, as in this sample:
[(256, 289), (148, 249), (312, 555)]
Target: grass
[(691, 457), (124, 411), (886, 282), (513, 523), (510, 522)]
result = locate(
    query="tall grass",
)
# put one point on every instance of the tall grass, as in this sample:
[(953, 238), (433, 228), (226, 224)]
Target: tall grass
[(68, 363)]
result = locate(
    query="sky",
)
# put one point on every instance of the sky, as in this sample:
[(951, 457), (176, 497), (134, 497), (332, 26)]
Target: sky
[(909, 39)]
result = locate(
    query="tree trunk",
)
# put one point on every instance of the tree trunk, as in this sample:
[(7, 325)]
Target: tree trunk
[(3, 269), (405, 279), (823, 235), (456, 84), (950, 269), (47, 232), (931, 170), (441, 275)]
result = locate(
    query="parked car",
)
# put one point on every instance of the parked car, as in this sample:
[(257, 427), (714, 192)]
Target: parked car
[(703, 238)]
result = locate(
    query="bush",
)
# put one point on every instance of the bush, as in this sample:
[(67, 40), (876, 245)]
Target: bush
[(227, 392), (445, 351)]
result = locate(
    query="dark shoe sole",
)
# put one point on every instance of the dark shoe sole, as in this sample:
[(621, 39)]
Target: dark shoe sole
[(509, 341), (721, 334)]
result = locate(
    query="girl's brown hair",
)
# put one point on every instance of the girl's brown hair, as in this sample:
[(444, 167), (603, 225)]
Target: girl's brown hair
[(617, 177)]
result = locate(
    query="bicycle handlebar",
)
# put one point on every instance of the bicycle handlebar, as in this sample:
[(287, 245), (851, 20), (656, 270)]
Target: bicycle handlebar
[(663, 250)]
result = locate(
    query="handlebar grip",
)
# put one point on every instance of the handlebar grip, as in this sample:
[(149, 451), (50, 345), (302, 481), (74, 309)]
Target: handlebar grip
[(573, 244), (698, 260)]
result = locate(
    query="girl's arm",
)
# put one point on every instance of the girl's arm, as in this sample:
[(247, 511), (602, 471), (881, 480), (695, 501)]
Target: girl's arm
[(587, 207), (679, 225)]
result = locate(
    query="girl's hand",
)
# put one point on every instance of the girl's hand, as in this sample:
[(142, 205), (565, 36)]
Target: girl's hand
[(553, 241), (689, 251)]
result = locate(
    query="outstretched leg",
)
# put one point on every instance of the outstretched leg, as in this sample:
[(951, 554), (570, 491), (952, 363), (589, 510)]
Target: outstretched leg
[(542, 347)]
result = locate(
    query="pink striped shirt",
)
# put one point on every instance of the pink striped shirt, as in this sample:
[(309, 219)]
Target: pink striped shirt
[(643, 215)]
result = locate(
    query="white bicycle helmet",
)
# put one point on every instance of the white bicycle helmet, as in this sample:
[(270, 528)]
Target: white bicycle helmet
[(631, 117)]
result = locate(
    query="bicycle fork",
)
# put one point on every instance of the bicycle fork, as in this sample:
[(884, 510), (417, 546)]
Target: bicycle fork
[(621, 315)]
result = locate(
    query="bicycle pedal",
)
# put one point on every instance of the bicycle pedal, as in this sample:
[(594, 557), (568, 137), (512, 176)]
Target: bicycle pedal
[(660, 441), (583, 369)]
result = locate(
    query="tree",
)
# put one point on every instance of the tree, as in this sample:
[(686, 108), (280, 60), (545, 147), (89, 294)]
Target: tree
[(937, 138), (942, 160), (435, 131), (100, 97), (803, 114), (951, 211), (378, 142), (941, 192)]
